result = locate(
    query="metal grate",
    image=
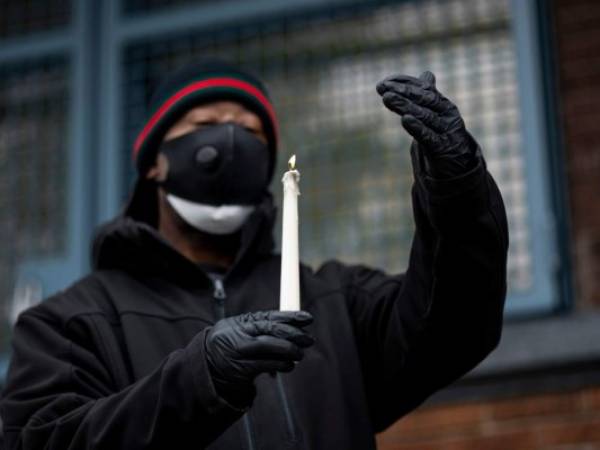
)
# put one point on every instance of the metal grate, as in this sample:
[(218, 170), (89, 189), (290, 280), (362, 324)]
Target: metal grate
[(33, 168), (19, 17), (353, 154)]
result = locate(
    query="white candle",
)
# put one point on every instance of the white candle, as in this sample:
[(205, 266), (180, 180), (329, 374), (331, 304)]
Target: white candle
[(289, 297)]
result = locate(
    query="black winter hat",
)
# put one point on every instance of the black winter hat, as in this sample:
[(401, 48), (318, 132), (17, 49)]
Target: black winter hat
[(191, 85)]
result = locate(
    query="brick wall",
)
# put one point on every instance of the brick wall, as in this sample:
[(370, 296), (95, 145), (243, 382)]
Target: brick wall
[(578, 41), (562, 420)]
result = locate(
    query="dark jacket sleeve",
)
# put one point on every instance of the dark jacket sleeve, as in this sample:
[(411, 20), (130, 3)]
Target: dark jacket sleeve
[(59, 396), (421, 330)]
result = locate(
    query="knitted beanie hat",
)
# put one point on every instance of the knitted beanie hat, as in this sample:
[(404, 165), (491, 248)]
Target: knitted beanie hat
[(192, 85)]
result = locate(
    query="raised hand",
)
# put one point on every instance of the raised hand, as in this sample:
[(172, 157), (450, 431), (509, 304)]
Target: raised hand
[(432, 120)]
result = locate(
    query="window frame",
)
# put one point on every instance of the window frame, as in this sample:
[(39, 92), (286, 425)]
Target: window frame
[(95, 43), (544, 297), (121, 30), (49, 274)]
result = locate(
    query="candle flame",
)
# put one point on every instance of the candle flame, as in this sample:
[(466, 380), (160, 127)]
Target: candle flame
[(292, 162)]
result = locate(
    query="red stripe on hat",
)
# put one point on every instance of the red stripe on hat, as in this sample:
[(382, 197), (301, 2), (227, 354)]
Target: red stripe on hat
[(204, 84)]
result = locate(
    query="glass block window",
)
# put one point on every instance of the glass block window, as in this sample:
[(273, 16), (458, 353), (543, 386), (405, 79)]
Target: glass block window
[(353, 154), (20, 17), (33, 167)]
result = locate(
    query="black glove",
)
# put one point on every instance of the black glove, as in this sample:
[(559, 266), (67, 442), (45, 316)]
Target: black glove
[(241, 347), (433, 121)]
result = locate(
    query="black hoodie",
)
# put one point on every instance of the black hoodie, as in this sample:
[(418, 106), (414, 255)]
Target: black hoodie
[(117, 360)]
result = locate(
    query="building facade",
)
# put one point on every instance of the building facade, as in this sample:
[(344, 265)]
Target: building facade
[(75, 78)]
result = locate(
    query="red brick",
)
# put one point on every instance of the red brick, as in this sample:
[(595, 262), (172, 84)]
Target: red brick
[(579, 43), (581, 102), (561, 5), (540, 422), (591, 399), (573, 431), (570, 17), (578, 61), (452, 420), (518, 440), (547, 405), (582, 67), (586, 219), (580, 124), (514, 440)]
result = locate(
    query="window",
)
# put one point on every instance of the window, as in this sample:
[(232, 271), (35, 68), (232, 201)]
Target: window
[(45, 209), (30, 16), (33, 159), (352, 153), (75, 78)]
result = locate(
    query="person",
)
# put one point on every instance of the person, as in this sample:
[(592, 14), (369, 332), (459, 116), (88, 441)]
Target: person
[(175, 339)]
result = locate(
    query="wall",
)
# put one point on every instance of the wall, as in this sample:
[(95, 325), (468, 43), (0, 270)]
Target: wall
[(578, 39), (561, 420)]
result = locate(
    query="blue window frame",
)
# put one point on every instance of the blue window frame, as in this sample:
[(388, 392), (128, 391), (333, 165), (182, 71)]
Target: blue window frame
[(46, 73), (544, 293), (148, 44)]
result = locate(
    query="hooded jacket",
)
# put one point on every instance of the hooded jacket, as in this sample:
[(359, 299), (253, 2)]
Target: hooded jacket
[(117, 361)]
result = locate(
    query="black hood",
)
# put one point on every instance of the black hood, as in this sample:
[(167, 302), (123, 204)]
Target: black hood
[(131, 242)]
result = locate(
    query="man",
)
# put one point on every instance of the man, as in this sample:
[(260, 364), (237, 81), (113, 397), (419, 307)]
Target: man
[(174, 341)]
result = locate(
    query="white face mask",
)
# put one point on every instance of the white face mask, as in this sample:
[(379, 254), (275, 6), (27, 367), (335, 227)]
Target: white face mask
[(223, 219)]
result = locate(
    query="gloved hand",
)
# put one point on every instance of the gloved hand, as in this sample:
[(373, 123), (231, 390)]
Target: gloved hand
[(433, 121), (241, 347)]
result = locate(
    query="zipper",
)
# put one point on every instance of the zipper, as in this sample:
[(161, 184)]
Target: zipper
[(286, 408), (219, 295), (248, 429)]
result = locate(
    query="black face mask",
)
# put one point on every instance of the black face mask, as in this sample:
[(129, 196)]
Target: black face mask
[(223, 164)]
